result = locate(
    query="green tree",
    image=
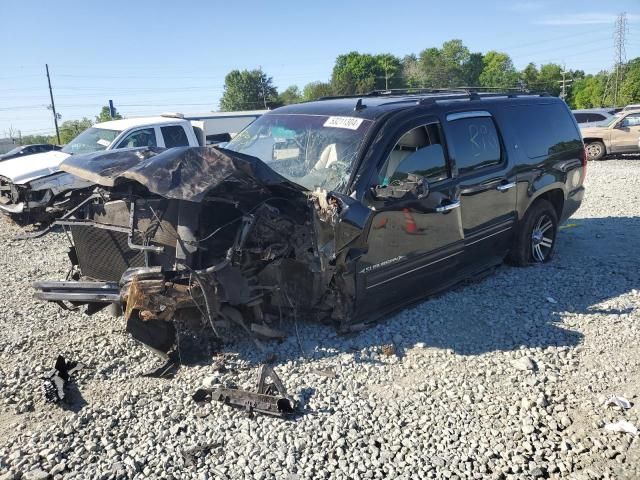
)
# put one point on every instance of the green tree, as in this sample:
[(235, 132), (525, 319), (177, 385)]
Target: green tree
[(72, 128), (472, 69), (412, 75), (315, 90), (529, 77), (290, 95), (29, 139), (391, 70), (630, 88), (589, 92), (550, 78), (248, 90), (498, 71), (105, 115)]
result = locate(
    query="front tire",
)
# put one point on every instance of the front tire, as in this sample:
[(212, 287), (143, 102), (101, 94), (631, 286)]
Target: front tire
[(536, 238), (595, 150)]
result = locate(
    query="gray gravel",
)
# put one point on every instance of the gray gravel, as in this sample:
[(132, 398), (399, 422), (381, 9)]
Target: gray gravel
[(504, 378)]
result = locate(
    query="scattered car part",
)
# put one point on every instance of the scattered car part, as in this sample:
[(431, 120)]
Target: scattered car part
[(622, 426), (55, 381), (270, 398), (618, 401)]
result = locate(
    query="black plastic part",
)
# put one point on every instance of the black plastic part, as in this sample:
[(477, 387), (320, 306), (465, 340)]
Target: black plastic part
[(159, 335)]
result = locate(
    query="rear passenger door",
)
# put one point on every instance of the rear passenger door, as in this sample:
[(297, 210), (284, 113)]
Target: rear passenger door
[(487, 187)]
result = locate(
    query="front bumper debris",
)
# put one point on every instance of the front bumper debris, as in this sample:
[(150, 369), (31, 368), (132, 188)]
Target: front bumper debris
[(270, 398), (80, 292)]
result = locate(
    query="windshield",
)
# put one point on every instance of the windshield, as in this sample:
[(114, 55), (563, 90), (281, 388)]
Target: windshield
[(91, 140), (608, 121), (14, 150), (315, 151)]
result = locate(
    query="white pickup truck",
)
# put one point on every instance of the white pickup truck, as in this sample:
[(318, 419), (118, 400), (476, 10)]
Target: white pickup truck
[(33, 185)]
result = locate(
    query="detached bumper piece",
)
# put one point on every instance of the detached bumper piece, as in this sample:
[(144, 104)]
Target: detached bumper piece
[(78, 292), (270, 399)]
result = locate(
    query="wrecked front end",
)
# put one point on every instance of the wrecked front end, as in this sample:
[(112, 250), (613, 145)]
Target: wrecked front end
[(42, 197), (198, 232)]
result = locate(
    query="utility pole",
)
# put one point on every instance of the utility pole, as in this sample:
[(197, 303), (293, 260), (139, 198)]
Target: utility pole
[(565, 83), (620, 38), (53, 105)]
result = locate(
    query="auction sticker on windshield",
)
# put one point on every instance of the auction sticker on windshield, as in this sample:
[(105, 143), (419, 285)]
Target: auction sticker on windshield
[(350, 123)]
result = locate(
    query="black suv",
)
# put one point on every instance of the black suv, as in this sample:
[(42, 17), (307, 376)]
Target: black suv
[(345, 209)]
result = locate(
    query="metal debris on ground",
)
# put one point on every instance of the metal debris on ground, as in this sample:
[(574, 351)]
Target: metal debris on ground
[(56, 379), (622, 426), (389, 350), (270, 398), (618, 401)]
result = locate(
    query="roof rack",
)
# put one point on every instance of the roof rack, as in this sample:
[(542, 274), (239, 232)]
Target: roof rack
[(454, 93)]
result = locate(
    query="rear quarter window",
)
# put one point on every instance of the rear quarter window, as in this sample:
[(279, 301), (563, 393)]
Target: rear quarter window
[(544, 129), (174, 136)]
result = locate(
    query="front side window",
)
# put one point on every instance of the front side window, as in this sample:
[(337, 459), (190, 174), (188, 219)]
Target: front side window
[(582, 117), (475, 143), (419, 152), (91, 140), (314, 151), (145, 137), (632, 120), (174, 136)]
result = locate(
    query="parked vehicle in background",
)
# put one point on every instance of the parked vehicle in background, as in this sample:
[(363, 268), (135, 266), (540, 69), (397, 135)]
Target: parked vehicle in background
[(31, 189), (344, 209), (619, 134), (633, 106), (593, 115), (24, 150)]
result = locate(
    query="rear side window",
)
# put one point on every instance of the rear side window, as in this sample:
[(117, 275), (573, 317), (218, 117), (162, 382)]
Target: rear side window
[(544, 129), (174, 136), (475, 143), (582, 117)]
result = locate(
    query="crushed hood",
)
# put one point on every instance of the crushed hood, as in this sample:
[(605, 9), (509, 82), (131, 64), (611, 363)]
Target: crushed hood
[(21, 170), (181, 173)]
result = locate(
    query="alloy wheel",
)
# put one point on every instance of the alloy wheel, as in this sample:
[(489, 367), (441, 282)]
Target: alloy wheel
[(542, 238)]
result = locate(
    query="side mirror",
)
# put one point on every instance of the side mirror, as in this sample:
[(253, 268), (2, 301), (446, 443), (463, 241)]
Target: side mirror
[(350, 210)]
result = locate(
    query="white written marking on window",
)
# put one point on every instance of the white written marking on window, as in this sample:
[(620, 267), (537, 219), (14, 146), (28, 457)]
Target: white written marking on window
[(350, 123)]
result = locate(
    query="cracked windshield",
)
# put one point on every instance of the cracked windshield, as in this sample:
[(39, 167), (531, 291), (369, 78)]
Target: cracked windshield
[(315, 151)]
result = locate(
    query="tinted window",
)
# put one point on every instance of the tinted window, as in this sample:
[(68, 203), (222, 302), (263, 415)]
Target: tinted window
[(632, 120), (145, 137), (174, 136), (596, 117), (544, 129), (418, 151), (475, 143), (582, 117)]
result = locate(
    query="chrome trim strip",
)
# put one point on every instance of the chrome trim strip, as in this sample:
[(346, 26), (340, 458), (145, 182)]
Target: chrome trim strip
[(413, 270), (488, 236), (471, 114)]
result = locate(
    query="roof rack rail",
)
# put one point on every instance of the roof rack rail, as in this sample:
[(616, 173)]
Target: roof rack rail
[(472, 93)]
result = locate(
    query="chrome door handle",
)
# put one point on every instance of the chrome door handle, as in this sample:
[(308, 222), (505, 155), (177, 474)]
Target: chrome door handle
[(448, 207), (503, 187)]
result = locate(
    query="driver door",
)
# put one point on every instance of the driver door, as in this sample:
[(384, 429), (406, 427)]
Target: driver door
[(624, 137), (415, 241)]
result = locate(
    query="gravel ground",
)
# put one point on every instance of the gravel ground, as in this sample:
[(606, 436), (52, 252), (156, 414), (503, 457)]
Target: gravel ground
[(504, 378)]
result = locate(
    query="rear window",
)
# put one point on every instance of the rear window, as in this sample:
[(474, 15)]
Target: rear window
[(544, 129)]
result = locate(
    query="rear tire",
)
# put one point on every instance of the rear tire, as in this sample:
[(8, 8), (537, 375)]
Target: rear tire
[(595, 150), (536, 238)]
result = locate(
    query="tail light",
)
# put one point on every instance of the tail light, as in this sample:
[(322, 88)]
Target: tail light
[(583, 159)]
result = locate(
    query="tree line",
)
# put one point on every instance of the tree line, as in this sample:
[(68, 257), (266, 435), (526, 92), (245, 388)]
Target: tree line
[(451, 65)]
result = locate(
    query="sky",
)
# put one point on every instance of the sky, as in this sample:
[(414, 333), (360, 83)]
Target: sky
[(160, 56)]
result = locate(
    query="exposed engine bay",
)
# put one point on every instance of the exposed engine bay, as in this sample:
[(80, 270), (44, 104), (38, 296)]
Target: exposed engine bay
[(198, 230)]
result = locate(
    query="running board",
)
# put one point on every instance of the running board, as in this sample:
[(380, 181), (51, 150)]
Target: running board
[(77, 292)]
